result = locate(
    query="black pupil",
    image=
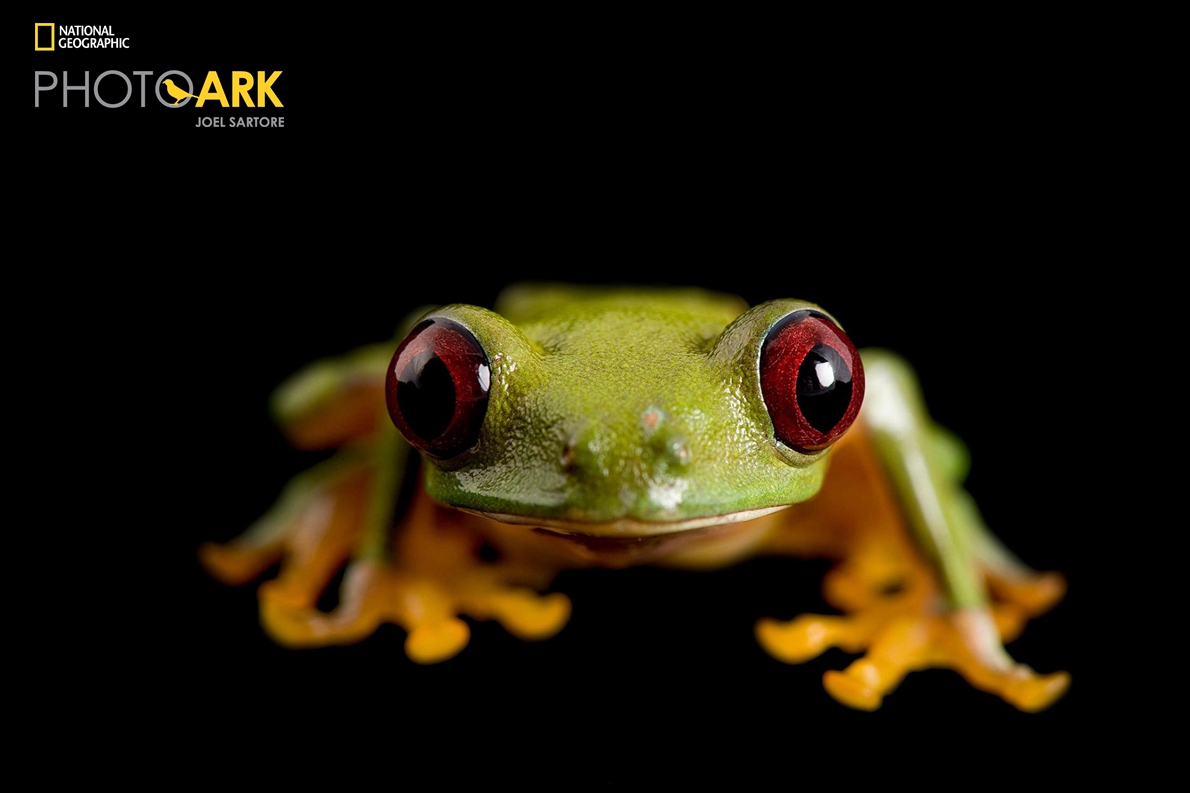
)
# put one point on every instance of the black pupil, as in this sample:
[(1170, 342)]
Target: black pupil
[(823, 387), (426, 395)]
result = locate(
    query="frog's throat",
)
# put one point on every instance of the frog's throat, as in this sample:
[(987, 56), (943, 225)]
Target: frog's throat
[(626, 527)]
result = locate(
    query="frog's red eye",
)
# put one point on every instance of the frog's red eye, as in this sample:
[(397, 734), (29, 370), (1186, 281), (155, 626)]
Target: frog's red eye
[(437, 387), (811, 379)]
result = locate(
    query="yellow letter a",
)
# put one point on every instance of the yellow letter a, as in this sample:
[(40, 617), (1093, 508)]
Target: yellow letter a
[(211, 89)]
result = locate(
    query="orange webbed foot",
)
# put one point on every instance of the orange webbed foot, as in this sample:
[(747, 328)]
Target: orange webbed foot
[(904, 634)]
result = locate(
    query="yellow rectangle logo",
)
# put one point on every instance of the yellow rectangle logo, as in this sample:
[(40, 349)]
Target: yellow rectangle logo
[(37, 26)]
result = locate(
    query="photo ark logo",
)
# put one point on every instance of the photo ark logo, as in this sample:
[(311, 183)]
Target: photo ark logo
[(242, 85)]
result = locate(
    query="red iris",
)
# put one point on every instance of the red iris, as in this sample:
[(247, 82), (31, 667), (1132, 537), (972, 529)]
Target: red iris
[(811, 379), (437, 388)]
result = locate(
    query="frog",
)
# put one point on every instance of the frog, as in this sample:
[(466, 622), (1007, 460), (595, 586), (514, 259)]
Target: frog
[(481, 452)]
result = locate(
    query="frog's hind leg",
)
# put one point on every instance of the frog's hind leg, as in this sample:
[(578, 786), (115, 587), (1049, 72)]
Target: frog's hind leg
[(1010, 581), (899, 641), (923, 583), (894, 612)]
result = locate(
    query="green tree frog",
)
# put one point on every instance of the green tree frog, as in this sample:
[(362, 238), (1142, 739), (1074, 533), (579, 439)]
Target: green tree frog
[(577, 427)]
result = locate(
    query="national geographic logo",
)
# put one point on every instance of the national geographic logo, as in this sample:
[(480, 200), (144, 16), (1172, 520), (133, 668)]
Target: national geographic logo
[(48, 36)]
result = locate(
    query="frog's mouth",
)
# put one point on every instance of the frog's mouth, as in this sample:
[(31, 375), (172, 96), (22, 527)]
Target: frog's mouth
[(629, 541), (625, 528)]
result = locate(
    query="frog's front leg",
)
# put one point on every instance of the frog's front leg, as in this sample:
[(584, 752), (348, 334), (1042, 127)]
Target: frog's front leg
[(432, 574), (916, 560), (311, 531), (437, 571), (421, 570)]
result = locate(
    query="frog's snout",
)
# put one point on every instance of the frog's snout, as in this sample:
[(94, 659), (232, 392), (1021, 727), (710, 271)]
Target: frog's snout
[(660, 447), (637, 470)]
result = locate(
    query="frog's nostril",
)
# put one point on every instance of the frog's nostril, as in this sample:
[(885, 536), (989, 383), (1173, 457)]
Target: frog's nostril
[(568, 456), (587, 455), (669, 444), (677, 452)]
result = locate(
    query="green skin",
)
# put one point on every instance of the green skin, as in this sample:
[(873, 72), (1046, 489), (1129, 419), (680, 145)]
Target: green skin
[(638, 412)]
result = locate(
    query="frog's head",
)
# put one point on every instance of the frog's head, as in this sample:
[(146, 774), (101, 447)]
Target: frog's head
[(625, 414)]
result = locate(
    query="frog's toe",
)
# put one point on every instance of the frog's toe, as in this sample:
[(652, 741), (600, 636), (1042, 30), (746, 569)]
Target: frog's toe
[(237, 563), (900, 647), (430, 643), (288, 614), (1035, 593), (1032, 692), (803, 638), (852, 691), (307, 627), (528, 615), (1017, 684)]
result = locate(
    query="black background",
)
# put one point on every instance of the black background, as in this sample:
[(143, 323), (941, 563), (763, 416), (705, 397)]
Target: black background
[(925, 190)]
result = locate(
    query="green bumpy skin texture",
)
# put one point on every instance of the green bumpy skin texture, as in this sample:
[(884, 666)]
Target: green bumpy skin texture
[(633, 405)]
